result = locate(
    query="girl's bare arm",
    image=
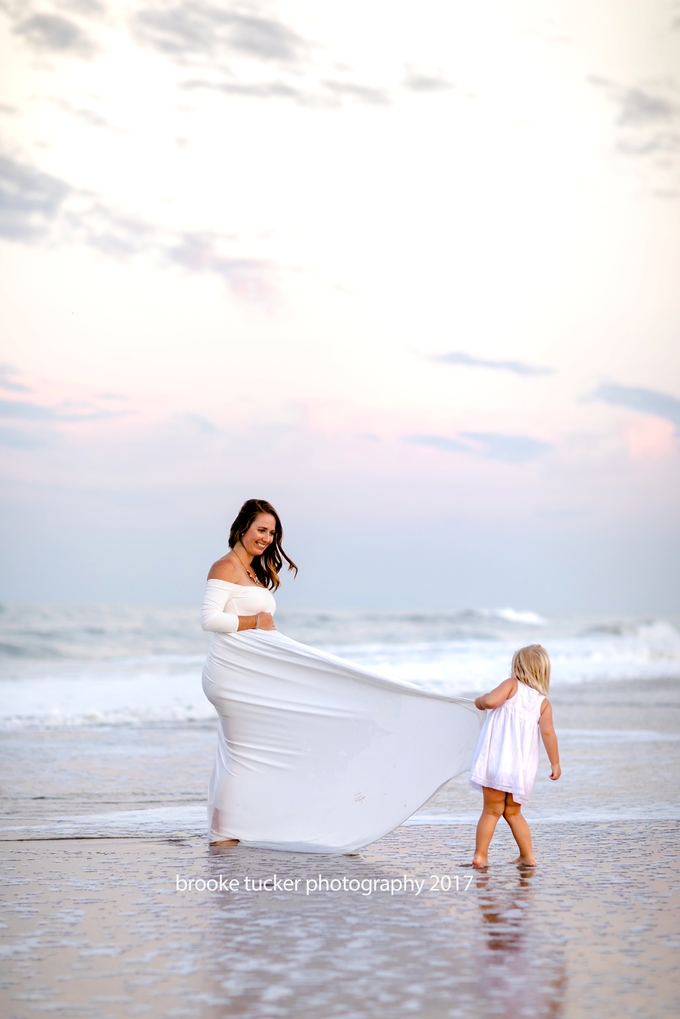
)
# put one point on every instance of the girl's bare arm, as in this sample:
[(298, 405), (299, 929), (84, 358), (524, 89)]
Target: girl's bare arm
[(496, 697), (549, 737)]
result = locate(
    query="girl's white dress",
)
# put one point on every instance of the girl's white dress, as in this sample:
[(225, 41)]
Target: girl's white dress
[(315, 754), (506, 757)]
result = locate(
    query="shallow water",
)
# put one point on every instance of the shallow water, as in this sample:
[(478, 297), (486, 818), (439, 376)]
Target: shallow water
[(148, 781)]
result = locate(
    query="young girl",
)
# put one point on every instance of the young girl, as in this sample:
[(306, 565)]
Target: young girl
[(506, 759)]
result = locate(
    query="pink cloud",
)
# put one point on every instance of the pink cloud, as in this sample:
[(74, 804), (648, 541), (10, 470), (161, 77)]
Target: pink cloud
[(651, 438)]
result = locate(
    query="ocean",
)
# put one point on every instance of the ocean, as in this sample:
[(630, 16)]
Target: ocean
[(117, 665)]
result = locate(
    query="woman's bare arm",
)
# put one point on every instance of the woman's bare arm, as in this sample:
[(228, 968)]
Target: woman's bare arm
[(549, 737), (496, 697)]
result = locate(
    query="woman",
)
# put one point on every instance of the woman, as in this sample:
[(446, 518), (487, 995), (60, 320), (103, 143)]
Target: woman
[(314, 754)]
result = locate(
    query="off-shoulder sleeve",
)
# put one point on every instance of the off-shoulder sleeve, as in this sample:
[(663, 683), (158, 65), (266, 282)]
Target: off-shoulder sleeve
[(213, 617)]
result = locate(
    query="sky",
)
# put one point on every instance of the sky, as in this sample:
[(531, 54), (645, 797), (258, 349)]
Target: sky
[(407, 270)]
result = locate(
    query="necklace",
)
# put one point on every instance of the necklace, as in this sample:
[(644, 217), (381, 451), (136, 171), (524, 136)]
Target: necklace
[(254, 579)]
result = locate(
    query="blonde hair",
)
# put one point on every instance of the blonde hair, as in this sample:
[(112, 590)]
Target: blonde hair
[(531, 665)]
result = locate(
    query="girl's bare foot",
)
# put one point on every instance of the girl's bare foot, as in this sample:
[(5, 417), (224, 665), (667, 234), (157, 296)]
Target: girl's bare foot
[(225, 842), (525, 861), (482, 862)]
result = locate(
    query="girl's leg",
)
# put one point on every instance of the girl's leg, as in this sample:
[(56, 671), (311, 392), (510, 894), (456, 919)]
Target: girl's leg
[(494, 805), (520, 831)]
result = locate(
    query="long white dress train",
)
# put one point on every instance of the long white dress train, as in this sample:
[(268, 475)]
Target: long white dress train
[(315, 754)]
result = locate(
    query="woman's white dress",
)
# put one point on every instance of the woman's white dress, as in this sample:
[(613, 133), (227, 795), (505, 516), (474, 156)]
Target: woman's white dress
[(506, 757), (315, 754)]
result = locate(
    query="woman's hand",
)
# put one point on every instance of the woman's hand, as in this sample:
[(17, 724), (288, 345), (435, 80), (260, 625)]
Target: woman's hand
[(262, 621)]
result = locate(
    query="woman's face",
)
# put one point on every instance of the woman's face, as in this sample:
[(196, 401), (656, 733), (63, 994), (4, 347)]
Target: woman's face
[(260, 534)]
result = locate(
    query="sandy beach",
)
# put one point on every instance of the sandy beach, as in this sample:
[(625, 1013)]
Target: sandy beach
[(103, 844)]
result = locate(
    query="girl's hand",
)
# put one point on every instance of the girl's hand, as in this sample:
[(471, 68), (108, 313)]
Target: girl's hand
[(556, 772), (478, 704), (265, 621)]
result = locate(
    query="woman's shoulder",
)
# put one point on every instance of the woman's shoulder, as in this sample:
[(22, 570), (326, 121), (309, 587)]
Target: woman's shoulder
[(226, 569)]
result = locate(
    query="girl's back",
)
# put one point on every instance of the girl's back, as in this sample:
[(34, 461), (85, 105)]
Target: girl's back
[(507, 752)]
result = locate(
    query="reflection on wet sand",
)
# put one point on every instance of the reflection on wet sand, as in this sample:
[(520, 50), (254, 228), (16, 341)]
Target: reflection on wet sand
[(517, 975)]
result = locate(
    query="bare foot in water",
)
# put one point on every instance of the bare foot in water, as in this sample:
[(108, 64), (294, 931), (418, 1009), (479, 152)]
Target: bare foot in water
[(226, 842), (525, 861), (479, 861)]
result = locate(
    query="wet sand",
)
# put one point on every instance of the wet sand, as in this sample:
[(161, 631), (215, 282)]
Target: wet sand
[(96, 925)]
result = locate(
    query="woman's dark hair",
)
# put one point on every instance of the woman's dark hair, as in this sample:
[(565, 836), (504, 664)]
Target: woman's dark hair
[(266, 566)]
